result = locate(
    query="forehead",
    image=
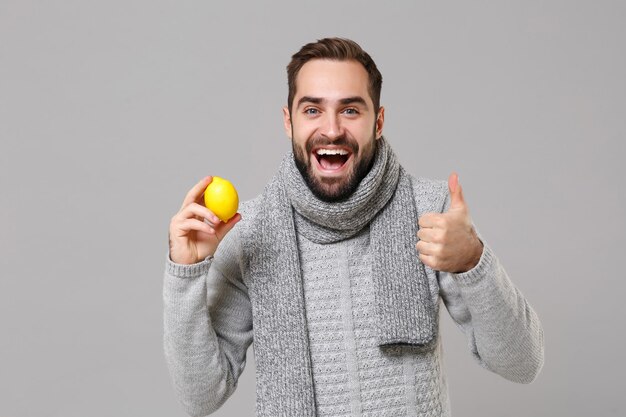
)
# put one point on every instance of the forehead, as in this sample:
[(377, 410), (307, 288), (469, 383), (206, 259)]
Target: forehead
[(332, 80)]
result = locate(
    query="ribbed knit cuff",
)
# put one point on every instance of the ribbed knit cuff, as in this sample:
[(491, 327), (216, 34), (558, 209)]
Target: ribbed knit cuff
[(188, 271), (482, 268)]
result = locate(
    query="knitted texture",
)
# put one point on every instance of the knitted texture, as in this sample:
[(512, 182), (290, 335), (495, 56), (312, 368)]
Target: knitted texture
[(353, 375)]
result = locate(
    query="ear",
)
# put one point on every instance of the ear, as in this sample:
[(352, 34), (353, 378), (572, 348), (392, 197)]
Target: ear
[(287, 121), (380, 121)]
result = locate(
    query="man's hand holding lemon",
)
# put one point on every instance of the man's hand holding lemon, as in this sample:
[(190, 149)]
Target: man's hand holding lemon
[(196, 231)]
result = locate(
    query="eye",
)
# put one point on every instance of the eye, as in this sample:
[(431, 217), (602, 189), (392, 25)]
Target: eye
[(310, 110), (351, 111)]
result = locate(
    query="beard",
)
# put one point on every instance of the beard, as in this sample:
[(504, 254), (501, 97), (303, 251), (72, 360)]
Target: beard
[(335, 189)]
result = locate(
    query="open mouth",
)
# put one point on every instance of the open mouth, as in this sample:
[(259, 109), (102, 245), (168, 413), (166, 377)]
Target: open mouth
[(332, 159)]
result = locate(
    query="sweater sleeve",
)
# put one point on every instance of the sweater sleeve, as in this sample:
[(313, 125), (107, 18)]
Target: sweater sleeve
[(207, 328), (503, 331)]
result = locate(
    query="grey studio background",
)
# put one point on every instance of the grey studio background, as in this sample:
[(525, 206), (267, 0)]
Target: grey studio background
[(110, 111)]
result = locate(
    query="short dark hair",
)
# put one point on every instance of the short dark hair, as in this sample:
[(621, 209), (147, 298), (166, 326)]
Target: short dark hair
[(339, 49)]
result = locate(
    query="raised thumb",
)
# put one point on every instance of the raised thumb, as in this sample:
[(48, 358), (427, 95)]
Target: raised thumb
[(456, 192)]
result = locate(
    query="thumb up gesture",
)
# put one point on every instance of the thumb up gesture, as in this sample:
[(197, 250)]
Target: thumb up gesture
[(447, 241)]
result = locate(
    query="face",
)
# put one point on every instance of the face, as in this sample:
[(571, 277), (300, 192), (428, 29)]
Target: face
[(333, 127)]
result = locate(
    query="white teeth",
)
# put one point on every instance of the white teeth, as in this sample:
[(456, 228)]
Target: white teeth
[(332, 152)]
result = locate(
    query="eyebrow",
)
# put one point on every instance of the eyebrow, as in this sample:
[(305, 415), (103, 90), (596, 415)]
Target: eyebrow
[(343, 101)]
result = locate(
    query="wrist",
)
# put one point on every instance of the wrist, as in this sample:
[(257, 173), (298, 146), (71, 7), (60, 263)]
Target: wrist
[(192, 270), (477, 253)]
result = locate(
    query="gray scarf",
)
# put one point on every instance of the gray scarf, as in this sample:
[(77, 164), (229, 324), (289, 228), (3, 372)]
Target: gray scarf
[(404, 309)]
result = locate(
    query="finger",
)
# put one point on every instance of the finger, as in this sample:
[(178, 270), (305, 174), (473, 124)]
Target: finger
[(429, 235), (427, 248), (427, 260), (196, 191), (197, 225), (195, 209), (430, 220), (457, 201), (224, 228)]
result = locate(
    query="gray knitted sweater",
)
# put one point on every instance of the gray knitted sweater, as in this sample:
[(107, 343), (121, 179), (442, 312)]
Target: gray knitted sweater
[(208, 329)]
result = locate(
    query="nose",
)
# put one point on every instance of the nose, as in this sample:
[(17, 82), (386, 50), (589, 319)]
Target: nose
[(331, 127)]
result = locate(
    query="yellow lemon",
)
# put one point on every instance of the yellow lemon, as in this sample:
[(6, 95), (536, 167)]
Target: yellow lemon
[(221, 198)]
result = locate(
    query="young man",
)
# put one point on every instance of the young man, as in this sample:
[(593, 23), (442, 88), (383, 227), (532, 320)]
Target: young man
[(337, 269)]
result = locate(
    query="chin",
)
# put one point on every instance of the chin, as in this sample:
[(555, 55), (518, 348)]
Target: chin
[(331, 189)]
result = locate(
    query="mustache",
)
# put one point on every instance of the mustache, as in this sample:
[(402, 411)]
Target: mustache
[(341, 141)]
